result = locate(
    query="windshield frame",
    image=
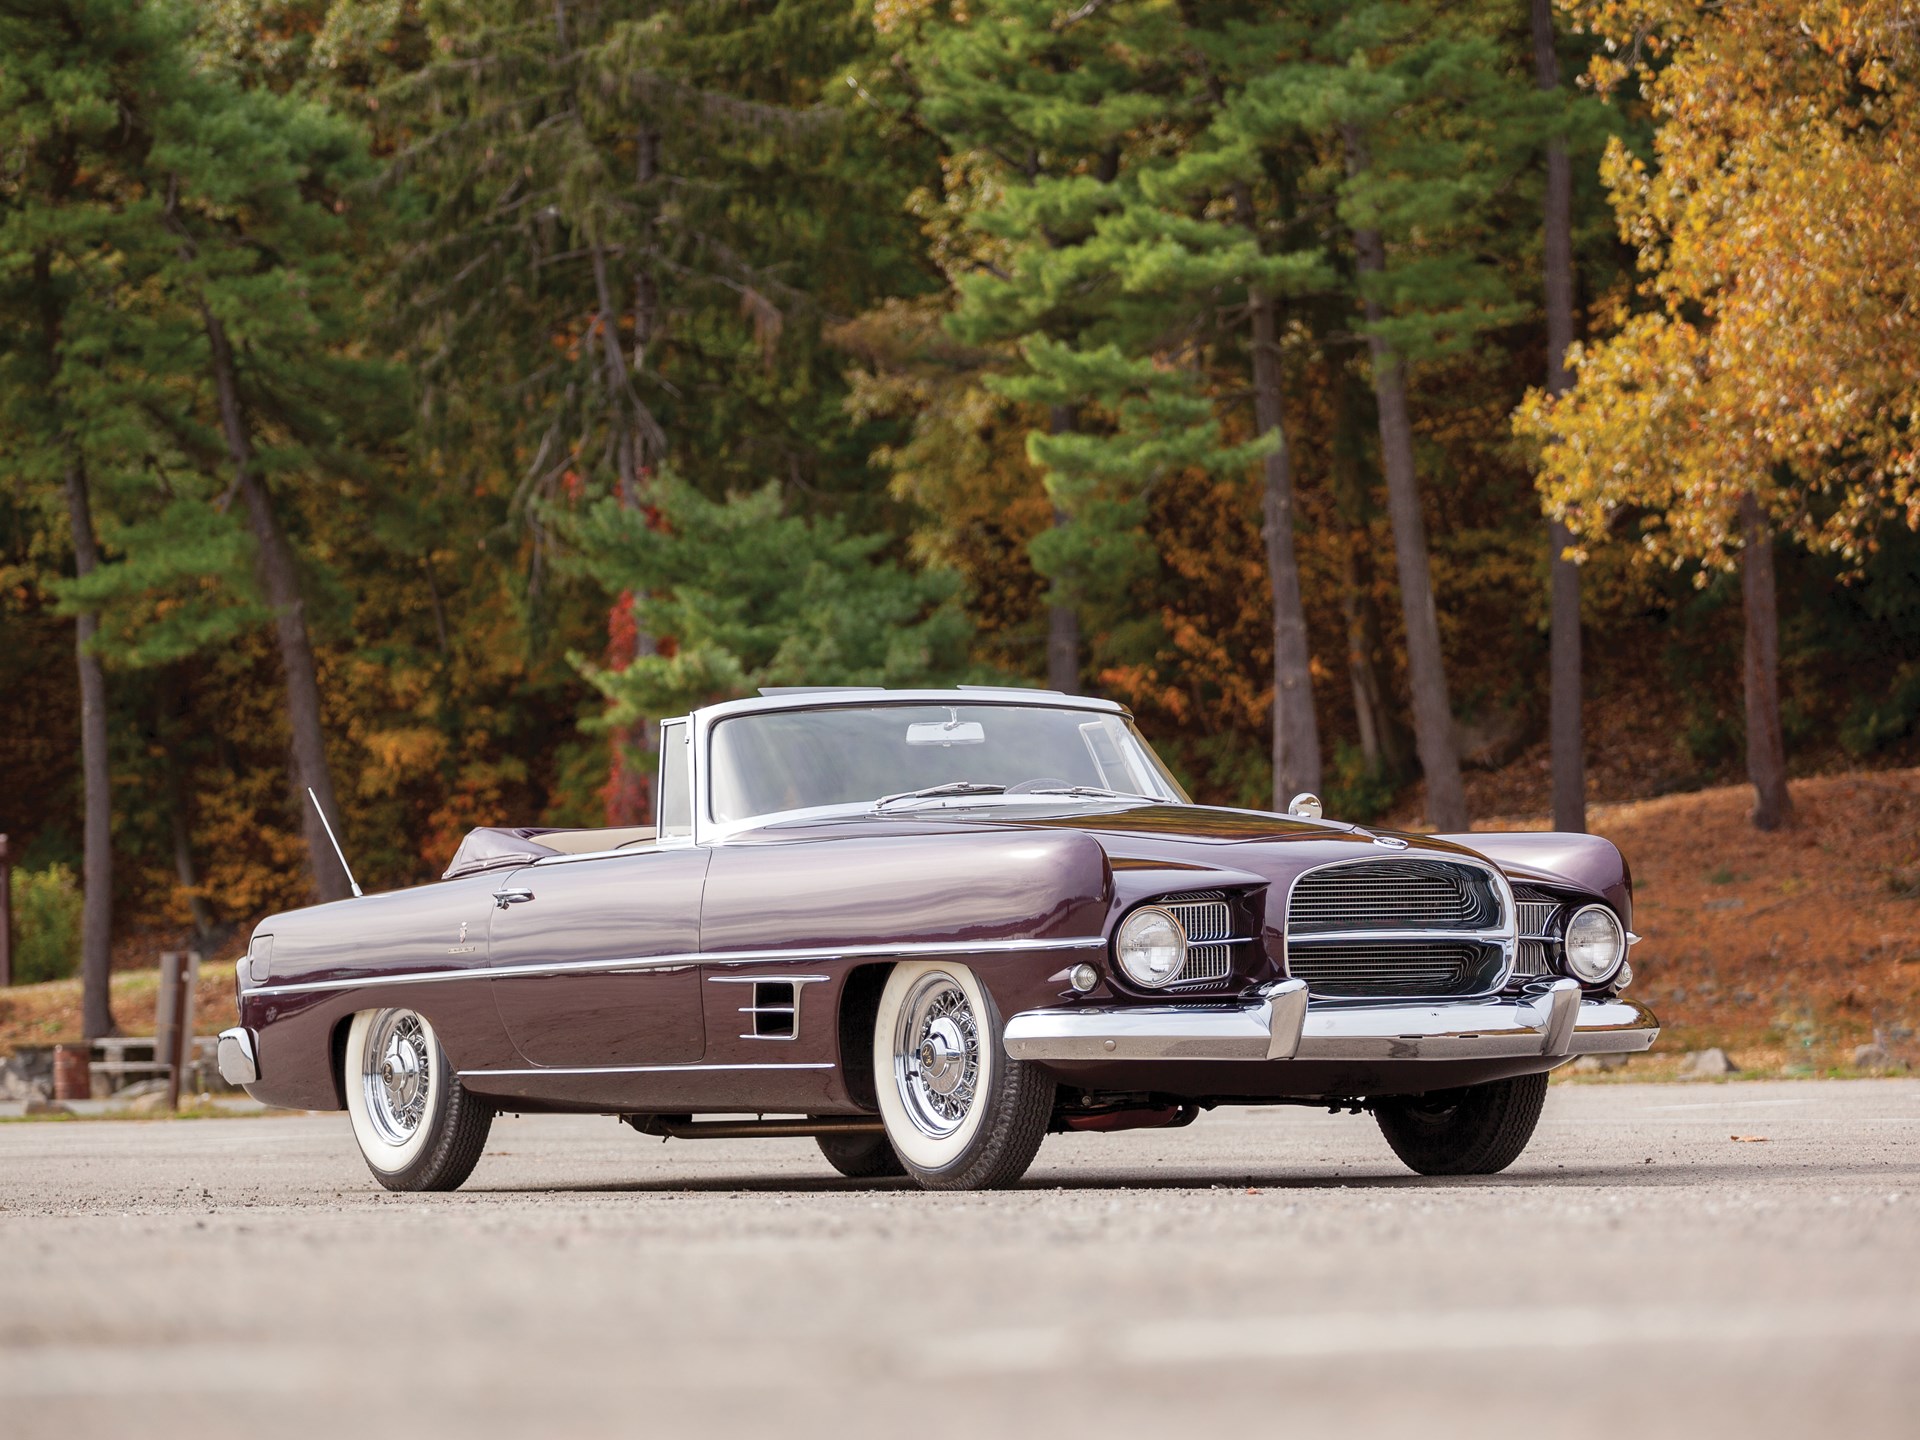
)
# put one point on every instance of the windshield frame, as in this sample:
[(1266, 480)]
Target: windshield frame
[(708, 830)]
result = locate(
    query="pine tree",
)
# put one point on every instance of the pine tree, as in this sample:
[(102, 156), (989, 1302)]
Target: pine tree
[(635, 216), (255, 197), (1205, 229), (1419, 125), (755, 596), (1035, 107), (70, 210)]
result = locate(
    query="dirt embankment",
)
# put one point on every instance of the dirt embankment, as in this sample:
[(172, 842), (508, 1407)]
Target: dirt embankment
[(1789, 950), (49, 1014)]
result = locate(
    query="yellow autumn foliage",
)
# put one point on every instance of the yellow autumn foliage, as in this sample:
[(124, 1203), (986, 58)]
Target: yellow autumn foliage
[(1777, 344)]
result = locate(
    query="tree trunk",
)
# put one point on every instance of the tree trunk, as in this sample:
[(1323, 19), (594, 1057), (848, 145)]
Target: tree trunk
[(1063, 621), (96, 925), (1296, 734), (1383, 739), (1766, 749), (183, 867), (96, 763), (1426, 670), (1569, 745), (279, 578), (1382, 743)]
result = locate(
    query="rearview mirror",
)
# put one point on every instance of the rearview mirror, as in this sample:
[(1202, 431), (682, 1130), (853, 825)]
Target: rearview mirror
[(947, 732)]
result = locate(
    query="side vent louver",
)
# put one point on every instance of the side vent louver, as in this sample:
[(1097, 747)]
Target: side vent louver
[(773, 1010)]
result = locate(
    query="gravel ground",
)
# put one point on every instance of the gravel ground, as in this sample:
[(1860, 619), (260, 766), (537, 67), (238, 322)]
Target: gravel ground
[(1638, 1271)]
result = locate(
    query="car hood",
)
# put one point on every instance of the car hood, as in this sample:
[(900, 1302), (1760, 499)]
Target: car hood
[(1165, 847), (1139, 836)]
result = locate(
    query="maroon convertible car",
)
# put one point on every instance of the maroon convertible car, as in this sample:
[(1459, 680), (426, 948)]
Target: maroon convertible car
[(929, 927)]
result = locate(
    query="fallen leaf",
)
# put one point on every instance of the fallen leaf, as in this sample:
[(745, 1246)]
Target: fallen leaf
[(1748, 1139)]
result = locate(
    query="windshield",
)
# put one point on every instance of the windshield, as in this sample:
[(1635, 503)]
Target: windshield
[(847, 755)]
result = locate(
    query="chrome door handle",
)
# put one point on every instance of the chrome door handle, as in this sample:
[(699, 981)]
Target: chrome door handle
[(504, 898)]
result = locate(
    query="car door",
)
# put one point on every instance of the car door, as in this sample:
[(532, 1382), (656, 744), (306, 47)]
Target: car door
[(593, 962)]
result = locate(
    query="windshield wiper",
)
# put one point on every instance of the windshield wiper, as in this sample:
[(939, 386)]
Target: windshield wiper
[(952, 787), (1097, 791)]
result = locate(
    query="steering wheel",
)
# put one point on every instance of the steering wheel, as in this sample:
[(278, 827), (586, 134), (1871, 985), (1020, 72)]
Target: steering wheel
[(1045, 782)]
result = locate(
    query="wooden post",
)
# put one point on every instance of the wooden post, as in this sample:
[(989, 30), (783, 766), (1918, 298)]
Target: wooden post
[(183, 1044), (166, 1021), (6, 914)]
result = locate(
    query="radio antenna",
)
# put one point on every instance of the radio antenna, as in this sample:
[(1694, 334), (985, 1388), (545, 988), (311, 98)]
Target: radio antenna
[(336, 842)]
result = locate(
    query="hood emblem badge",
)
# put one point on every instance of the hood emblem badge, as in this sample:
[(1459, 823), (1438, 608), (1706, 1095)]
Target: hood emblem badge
[(1390, 842)]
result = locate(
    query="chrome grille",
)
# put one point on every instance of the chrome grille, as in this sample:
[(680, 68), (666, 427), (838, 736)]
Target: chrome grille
[(1208, 921), (1532, 958), (1536, 916), (1206, 964), (1203, 916), (1537, 911), (1410, 926), (1393, 895), (1389, 967)]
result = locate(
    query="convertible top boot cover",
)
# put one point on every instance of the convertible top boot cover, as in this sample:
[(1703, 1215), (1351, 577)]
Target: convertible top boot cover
[(492, 846)]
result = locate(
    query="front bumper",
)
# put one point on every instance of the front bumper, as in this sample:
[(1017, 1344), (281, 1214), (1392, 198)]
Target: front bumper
[(1553, 1020), (239, 1064)]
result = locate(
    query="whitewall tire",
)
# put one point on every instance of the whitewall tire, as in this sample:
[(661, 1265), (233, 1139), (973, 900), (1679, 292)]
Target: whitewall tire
[(416, 1125), (960, 1114)]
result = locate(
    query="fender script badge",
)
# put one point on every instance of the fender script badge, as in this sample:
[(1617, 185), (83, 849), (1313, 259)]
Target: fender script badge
[(1391, 842)]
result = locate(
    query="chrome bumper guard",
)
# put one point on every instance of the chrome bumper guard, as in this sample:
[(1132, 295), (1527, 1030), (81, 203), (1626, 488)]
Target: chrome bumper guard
[(1552, 1019), (238, 1065)]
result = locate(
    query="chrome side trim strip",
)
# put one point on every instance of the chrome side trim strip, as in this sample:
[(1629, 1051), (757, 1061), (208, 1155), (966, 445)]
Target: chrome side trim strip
[(651, 1069), (767, 979), (632, 847), (657, 962)]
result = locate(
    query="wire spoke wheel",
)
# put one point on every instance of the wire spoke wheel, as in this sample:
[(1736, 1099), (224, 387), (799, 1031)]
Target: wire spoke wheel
[(960, 1114), (936, 1056), (397, 1070), (416, 1125)]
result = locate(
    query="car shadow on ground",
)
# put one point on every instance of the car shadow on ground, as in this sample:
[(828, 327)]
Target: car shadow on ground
[(1655, 1175)]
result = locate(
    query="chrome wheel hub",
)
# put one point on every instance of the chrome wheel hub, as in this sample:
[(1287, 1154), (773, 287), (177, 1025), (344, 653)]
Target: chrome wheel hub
[(936, 1066), (396, 1075)]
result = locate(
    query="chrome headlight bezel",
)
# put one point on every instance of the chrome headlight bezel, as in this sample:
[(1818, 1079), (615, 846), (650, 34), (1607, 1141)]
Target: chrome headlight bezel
[(1597, 975), (1138, 970)]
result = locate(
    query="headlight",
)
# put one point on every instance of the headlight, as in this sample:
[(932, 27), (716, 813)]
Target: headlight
[(1151, 947), (1595, 944)]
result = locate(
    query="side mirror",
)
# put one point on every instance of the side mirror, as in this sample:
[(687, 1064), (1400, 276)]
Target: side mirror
[(1305, 805)]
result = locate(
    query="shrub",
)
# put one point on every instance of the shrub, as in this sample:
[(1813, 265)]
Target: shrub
[(1356, 791), (46, 925)]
